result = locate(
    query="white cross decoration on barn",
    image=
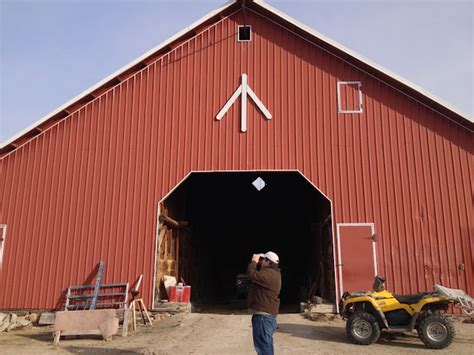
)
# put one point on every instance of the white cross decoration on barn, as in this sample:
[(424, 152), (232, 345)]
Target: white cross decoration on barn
[(243, 89)]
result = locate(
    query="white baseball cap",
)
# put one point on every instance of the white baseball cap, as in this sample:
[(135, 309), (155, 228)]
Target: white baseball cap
[(271, 256)]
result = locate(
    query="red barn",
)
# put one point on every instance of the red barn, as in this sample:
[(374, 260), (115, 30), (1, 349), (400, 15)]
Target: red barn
[(246, 132)]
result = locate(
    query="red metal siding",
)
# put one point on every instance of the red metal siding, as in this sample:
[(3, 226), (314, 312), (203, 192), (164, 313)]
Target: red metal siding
[(356, 251), (87, 189)]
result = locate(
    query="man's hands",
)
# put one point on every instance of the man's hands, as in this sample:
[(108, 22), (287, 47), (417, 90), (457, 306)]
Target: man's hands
[(256, 257)]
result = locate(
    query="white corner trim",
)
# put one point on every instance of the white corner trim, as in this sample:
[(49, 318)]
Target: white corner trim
[(3, 237)]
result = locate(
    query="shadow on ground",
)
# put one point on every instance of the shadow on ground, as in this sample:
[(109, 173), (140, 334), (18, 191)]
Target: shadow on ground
[(337, 334), (400, 340), (314, 332), (89, 350), (46, 337)]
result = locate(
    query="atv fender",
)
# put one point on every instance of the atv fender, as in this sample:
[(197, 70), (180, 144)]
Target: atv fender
[(433, 305), (427, 309), (368, 305)]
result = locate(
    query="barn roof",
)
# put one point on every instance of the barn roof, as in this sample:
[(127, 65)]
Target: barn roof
[(261, 7)]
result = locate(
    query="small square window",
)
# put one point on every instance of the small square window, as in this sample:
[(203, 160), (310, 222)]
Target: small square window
[(349, 97), (244, 33)]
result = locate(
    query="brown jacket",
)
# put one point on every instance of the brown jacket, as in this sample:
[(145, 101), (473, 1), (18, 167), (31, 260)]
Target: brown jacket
[(265, 288)]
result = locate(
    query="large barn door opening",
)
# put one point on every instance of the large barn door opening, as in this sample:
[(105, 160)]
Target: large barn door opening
[(212, 223), (357, 259)]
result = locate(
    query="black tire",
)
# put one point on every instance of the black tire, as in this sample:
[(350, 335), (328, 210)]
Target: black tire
[(426, 313), (362, 328), (436, 331)]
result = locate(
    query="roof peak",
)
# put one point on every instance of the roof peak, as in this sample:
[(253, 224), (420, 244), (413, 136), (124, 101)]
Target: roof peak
[(229, 7)]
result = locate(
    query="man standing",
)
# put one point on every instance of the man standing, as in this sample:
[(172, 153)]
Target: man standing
[(263, 300)]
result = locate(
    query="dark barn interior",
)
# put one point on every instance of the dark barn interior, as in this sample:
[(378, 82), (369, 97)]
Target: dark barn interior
[(225, 219)]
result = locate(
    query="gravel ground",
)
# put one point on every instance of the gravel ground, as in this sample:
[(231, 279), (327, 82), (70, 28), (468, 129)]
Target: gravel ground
[(206, 333)]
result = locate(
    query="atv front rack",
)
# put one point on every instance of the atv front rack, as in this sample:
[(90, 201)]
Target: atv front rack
[(461, 299)]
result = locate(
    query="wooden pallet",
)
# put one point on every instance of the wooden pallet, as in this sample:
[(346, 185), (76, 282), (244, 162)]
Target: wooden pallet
[(93, 321)]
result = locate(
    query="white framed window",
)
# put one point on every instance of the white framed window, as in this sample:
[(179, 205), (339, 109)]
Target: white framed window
[(3, 236), (349, 97), (244, 33)]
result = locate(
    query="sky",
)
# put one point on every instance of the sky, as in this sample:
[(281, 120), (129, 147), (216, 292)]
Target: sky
[(52, 50)]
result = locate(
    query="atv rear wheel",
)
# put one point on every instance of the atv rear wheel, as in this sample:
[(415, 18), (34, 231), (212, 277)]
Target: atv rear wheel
[(436, 331), (362, 328)]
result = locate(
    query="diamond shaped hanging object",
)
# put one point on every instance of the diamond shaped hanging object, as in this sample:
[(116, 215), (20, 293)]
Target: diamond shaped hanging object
[(259, 184)]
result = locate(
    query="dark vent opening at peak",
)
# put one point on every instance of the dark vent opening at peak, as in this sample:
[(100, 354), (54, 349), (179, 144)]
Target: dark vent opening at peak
[(244, 33)]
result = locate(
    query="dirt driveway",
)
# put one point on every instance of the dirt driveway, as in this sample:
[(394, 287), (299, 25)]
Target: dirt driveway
[(200, 333)]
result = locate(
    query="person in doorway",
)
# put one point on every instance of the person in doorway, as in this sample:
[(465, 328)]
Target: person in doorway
[(263, 299)]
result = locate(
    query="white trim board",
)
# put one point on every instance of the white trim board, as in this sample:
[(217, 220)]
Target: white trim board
[(3, 238), (243, 90)]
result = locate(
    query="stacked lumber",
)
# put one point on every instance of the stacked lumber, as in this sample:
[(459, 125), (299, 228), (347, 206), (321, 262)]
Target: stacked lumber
[(318, 311), (11, 321), (172, 308)]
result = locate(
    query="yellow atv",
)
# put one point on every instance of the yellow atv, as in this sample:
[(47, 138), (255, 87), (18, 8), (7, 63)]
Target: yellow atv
[(367, 313)]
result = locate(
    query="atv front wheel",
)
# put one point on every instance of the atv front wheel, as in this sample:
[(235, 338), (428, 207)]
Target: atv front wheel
[(436, 331), (362, 328)]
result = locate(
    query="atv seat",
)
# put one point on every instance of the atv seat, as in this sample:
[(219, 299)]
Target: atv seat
[(409, 299)]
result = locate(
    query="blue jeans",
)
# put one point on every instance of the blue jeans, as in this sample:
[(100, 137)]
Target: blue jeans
[(263, 327)]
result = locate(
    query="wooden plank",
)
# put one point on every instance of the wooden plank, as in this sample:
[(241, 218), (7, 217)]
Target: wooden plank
[(98, 322), (134, 316), (126, 315), (109, 328), (146, 312), (171, 223), (81, 332), (172, 307), (56, 336), (68, 295), (81, 287), (47, 318), (99, 305), (142, 309), (137, 285), (99, 295)]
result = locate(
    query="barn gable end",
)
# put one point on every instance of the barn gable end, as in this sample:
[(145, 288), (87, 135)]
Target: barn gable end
[(87, 186)]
